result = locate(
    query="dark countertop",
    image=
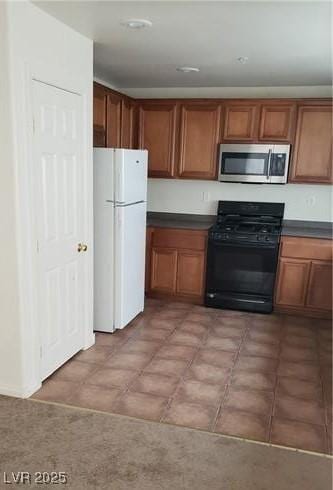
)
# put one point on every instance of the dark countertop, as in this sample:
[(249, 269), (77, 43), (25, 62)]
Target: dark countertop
[(311, 229), (176, 220)]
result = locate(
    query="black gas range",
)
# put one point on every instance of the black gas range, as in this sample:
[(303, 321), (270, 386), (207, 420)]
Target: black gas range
[(243, 247)]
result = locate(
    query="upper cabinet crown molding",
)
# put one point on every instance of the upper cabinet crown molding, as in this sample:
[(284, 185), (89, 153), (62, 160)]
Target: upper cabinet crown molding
[(199, 138), (312, 157), (157, 134)]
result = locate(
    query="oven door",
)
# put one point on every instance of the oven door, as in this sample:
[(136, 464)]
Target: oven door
[(244, 272), (245, 163)]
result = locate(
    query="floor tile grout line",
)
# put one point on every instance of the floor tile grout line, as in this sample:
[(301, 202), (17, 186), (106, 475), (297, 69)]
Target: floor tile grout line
[(327, 444), (227, 386), (182, 379), (127, 389), (183, 376), (272, 414)]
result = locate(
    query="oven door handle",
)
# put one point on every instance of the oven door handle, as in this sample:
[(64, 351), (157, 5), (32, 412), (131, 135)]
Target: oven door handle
[(258, 245)]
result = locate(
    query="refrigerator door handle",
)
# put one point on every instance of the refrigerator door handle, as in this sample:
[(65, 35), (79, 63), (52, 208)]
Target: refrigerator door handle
[(123, 205), (115, 202)]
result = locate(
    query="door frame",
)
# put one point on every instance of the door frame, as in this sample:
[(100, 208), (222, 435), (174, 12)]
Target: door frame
[(26, 231)]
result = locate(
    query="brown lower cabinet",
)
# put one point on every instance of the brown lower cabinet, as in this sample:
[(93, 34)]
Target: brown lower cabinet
[(304, 280), (176, 266), (176, 261)]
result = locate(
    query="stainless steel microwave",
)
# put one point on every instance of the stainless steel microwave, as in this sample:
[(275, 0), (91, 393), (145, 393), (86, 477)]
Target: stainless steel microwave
[(258, 164)]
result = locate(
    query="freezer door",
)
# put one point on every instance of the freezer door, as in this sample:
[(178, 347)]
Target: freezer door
[(104, 174), (130, 244), (103, 266), (131, 172)]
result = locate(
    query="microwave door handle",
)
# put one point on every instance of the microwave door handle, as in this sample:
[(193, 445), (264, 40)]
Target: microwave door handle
[(269, 164)]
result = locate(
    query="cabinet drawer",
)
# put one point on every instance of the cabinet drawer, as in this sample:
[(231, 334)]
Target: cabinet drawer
[(179, 239), (306, 248)]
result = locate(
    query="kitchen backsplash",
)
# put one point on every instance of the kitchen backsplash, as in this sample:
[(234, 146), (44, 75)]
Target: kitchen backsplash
[(303, 202)]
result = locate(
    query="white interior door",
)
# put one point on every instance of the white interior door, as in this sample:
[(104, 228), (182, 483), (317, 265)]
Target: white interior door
[(59, 213)]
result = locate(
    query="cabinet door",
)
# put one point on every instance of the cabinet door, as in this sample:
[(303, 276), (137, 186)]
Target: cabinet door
[(312, 160), (199, 138), (163, 270), (277, 122), (149, 239), (157, 134), (319, 293), (113, 125), (240, 122), (190, 273), (127, 123), (292, 282), (99, 117)]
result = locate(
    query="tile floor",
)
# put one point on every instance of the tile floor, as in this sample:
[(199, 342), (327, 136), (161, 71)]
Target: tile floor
[(267, 378)]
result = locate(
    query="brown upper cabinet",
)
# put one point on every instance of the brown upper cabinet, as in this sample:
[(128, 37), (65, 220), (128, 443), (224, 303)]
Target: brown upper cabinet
[(277, 122), (312, 157), (113, 125), (240, 122), (114, 117), (182, 136), (99, 116), (128, 124), (199, 138), (157, 134), (259, 121)]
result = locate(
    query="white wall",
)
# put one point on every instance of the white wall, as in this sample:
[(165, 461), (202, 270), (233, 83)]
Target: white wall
[(10, 374), (303, 202), (229, 92), (36, 46)]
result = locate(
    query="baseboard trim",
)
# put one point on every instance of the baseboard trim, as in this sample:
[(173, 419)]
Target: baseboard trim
[(90, 342), (24, 392)]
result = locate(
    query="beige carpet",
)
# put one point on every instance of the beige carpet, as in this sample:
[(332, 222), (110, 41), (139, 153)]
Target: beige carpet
[(106, 451)]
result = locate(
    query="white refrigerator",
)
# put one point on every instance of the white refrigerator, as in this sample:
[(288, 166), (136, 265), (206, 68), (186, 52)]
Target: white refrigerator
[(120, 194)]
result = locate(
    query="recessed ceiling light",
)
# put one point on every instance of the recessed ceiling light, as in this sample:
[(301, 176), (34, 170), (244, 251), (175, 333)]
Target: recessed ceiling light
[(137, 23), (187, 69), (243, 59)]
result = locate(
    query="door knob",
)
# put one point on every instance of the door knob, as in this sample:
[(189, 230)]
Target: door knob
[(82, 247)]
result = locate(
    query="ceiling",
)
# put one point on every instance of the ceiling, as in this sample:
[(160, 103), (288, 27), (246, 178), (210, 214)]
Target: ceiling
[(286, 42)]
